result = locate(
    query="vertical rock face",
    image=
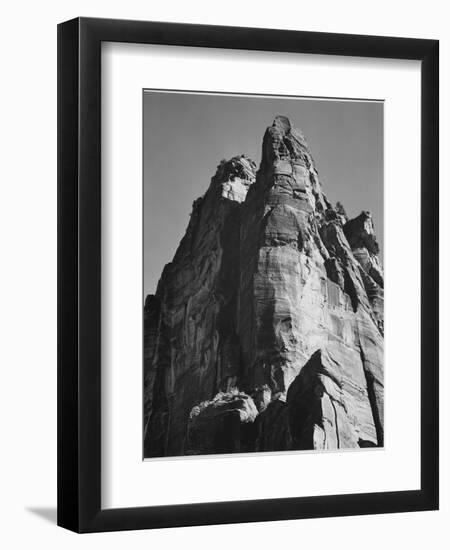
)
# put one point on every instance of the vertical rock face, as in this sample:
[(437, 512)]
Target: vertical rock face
[(266, 330)]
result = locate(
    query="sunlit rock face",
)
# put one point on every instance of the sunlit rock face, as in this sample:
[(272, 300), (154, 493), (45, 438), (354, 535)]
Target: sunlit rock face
[(266, 330)]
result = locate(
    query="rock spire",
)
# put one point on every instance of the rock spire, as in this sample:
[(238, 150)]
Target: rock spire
[(266, 330)]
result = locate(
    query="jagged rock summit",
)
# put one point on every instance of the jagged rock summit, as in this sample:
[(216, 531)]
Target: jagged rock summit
[(266, 329)]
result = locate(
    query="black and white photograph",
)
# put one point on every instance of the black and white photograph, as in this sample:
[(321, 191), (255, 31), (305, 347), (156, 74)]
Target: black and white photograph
[(263, 300)]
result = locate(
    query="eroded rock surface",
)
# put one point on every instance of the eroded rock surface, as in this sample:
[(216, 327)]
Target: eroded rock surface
[(222, 425), (266, 329)]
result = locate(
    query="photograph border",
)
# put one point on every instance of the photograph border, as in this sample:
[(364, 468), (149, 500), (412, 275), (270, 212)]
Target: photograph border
[(79, 274)]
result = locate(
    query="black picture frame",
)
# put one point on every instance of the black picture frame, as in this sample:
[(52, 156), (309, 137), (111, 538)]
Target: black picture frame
[(79, 274)]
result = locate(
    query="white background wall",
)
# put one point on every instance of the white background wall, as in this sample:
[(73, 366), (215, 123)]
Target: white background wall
[(28, 273)]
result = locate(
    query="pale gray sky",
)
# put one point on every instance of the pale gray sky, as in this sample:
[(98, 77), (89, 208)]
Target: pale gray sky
[(186, 136)]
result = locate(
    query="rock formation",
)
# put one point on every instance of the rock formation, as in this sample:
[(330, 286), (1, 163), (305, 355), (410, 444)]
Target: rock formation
[(266, 329)]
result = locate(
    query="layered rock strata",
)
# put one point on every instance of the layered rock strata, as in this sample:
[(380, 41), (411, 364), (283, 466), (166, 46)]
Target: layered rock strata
[(266, 330)]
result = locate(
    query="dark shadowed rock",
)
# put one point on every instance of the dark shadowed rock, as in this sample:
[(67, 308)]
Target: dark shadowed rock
[(328, 403), (360, 233), (219, 425), (361, 237), (266, 330)]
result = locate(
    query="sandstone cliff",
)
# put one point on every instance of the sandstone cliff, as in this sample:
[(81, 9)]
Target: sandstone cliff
[(266, 329)]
